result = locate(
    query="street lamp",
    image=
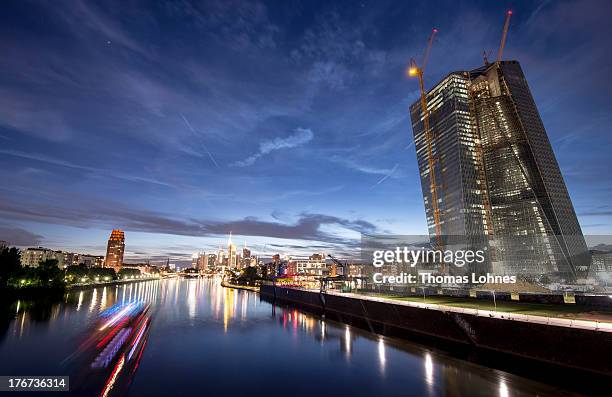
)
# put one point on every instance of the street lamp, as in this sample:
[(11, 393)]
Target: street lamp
[(494, 301)]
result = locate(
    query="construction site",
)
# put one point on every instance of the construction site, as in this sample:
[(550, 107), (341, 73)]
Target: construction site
[(489, 176)]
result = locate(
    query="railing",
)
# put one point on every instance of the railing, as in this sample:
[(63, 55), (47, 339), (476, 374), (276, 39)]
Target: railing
[(528, 318)]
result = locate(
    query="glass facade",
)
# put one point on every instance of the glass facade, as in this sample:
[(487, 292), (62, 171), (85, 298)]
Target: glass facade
[(499, 184)]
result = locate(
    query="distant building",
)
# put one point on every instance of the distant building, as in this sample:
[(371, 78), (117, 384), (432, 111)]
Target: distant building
[(211, 261), (71, 259), (601, 266), (355, 270), (231, 253), (115, 250), (88, 260), (246, 253), (221, 259), (144, 268), (291, 267), (99, 261), (202, 261), (315, 265), (31, 257)]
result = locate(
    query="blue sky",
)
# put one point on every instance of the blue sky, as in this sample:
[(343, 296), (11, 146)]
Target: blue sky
[(284, 122)]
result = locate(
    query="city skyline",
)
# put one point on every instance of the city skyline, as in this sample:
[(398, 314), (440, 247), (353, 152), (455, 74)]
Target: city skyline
[(296, 135)]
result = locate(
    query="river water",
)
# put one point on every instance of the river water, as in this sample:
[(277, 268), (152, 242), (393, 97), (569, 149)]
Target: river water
[(203, 339)]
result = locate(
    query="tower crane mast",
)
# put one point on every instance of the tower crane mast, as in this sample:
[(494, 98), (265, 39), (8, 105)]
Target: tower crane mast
[(417, 71)]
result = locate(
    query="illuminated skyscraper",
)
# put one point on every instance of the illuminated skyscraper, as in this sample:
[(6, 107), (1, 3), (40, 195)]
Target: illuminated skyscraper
[(246, 253), (115, 249), (231, 253), (202, 263), (499, 184)]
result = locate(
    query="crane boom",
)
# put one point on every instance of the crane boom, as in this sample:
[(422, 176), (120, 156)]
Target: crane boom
[(500, 53), (338, 264), (428, 49)]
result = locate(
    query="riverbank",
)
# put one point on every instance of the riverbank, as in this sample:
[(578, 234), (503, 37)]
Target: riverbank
[(238, 286), (41, 292), (558, 310), (577, 344), (77, 287)]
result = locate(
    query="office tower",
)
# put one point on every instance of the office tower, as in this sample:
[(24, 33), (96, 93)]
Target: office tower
[(220, 257), (231, 253), (202, 263), (211, 261), (246, 253), (499, 185), (115, 249)]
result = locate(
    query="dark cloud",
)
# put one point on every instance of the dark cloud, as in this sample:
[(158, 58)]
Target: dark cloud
[(307, 227), (19, 237)]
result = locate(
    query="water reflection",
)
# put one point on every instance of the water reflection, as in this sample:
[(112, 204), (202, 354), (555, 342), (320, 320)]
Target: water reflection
[(195, 333), (503, 389), (381, 354)]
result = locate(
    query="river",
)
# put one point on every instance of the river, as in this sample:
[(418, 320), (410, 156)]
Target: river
[(203, 339)]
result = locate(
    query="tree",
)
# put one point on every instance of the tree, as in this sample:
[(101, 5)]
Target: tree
[(103, 273), (76, 272), (10, 264), (248, 275), (128, 272), (49, 274)]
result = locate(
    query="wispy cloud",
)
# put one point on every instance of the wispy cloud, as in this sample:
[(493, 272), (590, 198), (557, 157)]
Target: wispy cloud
[(365, 168), (384, 178), (300, 137), (92, 170)]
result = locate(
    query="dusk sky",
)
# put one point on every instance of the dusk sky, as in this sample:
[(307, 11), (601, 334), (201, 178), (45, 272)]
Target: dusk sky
[(285, 122)]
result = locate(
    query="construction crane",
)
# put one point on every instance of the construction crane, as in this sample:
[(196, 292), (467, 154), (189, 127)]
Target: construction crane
[(339, 265), (416, 71), (500, 53)]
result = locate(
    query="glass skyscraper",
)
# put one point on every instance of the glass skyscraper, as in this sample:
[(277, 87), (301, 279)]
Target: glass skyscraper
[(499, 185)]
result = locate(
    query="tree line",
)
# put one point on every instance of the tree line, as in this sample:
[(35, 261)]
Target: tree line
[(48, 274)]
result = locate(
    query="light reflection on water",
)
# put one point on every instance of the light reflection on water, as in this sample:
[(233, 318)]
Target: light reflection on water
[(218, 341)]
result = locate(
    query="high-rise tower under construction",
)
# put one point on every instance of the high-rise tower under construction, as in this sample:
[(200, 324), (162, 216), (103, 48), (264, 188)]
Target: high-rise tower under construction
[(498, 183)]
